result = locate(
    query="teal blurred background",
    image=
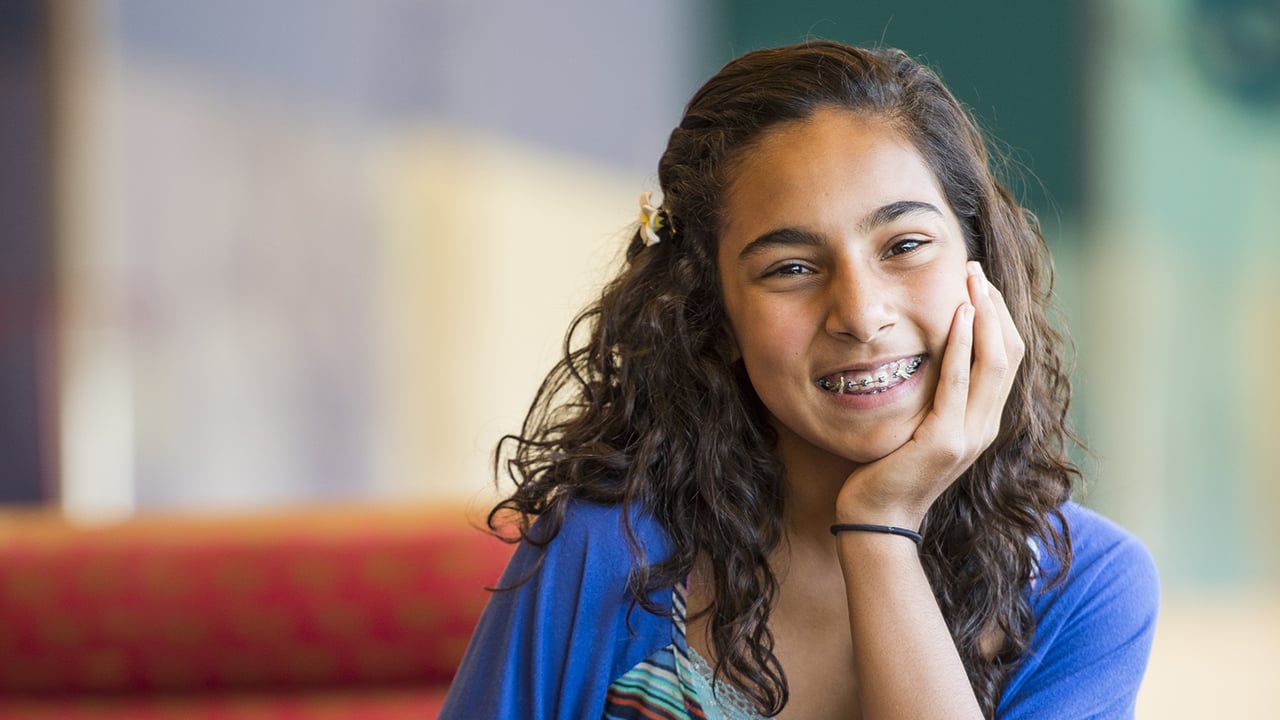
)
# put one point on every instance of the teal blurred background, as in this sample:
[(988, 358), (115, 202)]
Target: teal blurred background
[(324, 250)]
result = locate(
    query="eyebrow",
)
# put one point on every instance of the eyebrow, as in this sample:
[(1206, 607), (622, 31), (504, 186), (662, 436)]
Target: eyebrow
[(883, 215), (785, 237), (886, 214)]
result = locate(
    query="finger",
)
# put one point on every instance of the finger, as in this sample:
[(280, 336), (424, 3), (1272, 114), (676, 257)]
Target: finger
[(997, 350), (952, 396), (990, 358), (1015, 346)]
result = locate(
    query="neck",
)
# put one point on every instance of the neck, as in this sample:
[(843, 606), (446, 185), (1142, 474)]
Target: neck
[(813, 479)]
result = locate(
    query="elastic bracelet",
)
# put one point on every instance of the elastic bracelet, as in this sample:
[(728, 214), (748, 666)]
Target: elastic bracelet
[(916, 537)]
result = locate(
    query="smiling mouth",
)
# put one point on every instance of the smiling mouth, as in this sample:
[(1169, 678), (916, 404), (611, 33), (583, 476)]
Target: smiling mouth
[(883, 378)]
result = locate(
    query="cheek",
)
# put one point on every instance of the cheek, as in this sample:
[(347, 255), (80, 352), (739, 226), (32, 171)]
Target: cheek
[(761, 332), (766, 340), (938, 301)]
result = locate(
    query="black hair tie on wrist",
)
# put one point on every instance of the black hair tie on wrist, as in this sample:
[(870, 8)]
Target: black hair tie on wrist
[(915, 537)]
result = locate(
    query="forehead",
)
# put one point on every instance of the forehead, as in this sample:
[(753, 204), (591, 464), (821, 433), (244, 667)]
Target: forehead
[(827, 168)]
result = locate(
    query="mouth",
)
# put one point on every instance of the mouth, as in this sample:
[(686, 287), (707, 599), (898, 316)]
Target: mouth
[(871, 382)]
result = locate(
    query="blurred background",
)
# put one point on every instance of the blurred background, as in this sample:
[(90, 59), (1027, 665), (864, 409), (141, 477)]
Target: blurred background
[(289, 252)]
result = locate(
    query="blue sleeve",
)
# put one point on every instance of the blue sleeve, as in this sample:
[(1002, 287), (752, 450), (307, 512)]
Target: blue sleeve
[(550, 647), (1094, 631)]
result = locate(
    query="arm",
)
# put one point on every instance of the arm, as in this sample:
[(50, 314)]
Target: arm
[(905, 658), (906, 662)]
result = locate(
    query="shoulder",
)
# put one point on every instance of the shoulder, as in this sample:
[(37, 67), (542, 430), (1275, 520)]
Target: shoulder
[(588, 563), (607, 539), (1094, 626), (1105, 554), (587, 522), (1112, 577)]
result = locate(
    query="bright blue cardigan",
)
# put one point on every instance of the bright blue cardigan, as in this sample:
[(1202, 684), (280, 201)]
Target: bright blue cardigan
[(551, 647)]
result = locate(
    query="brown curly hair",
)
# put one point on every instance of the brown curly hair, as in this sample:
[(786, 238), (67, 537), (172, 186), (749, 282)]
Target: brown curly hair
[(650, 408)]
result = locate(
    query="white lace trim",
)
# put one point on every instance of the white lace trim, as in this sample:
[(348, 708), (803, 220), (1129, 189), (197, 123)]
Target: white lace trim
[(730, 702)]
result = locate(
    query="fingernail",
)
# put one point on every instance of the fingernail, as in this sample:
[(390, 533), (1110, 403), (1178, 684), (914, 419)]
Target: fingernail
[(975, 270), (967, 312)]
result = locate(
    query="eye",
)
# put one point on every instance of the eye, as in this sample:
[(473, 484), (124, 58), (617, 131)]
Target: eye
[(905, 246), (792, 268)]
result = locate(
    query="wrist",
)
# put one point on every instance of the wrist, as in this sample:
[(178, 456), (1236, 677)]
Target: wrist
[(863, 554), (907, 533), (891, 515)]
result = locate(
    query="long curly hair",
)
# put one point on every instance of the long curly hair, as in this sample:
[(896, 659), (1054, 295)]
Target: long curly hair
[(650, 408)]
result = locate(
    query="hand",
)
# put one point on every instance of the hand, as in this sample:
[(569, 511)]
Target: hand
[(899, 488)]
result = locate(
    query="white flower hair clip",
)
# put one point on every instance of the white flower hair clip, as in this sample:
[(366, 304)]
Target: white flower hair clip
[(652, 219)]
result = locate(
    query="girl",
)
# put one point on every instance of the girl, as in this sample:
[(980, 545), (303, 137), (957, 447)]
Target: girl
[(806, 456)]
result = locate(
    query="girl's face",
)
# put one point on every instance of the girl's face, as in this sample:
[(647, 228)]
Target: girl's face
[(842, 267)]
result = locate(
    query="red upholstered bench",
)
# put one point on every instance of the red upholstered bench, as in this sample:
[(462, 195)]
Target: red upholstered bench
[(355, 612)]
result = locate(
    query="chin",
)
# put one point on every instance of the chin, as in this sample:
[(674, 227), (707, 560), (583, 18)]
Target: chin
[(856, 446), (868, 452)]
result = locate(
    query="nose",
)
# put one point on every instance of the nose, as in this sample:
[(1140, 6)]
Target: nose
[(860, 306)]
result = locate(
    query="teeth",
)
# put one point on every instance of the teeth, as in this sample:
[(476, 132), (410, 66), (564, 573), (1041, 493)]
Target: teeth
[(898, 371)]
